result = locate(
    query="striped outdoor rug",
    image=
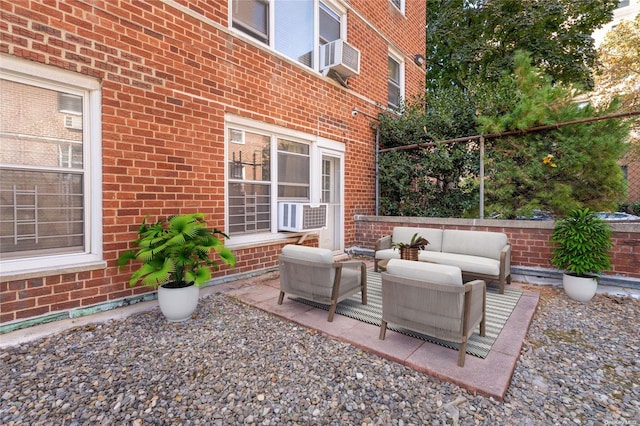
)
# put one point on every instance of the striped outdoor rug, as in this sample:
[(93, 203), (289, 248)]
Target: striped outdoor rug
[(499, 308)]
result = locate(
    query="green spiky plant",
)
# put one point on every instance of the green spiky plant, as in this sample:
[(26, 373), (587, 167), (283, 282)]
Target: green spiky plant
[(417, 242), (582, 244), (176, 252)]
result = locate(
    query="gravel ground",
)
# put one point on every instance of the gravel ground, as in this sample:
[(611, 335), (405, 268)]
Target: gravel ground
[(233, 364)]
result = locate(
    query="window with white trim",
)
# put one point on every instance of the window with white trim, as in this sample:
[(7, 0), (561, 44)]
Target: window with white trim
[(49, 167), (290, 27), (395, 81), (262, 169)]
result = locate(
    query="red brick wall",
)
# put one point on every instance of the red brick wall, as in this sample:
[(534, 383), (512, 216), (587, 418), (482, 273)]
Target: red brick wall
[(530, 241), (167, 81)]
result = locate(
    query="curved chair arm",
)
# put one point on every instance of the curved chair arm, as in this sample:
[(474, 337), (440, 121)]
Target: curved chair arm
[(383, 243)]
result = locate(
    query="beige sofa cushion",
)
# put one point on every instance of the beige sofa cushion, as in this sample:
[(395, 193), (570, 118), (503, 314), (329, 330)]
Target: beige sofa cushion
[(431, 272), (474, 243), (470, 264), (387, 254)]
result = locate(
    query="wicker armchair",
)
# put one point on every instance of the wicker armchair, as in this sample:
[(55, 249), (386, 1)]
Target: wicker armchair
[(431, 299), (311, 273)]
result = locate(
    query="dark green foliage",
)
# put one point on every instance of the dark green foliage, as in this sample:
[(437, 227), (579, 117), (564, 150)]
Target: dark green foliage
[(433, 181), (479, 82), (176, 250), (555, 170), (468, 40), (582, 243)]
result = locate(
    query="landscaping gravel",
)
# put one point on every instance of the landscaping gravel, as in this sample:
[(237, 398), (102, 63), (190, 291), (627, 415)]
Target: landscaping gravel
[(234, 364)]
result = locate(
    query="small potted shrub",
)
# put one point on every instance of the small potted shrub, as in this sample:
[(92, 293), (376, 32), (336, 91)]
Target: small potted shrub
[(582, 244), (175, 259), (410, 250)]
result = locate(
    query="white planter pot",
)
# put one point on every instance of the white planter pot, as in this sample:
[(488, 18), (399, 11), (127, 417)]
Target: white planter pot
[(581, 289), (177, 304)]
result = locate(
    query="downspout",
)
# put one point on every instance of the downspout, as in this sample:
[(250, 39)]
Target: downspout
[(481, 177), (377, 171), (354, 113)]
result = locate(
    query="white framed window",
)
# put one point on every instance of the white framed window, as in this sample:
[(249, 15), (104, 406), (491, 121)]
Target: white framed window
[(272, 165), (50, 168), (399, 4), (395, 80), (295, 29), (251, 17)]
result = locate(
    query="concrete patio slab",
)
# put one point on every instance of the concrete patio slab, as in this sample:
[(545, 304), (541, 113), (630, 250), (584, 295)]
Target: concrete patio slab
[(489, 377)]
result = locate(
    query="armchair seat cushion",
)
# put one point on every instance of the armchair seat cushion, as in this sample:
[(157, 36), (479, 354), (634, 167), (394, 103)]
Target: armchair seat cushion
[(441, 274)]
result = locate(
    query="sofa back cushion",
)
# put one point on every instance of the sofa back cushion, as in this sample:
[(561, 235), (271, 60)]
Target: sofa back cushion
[(313, 254), (474, 243), (403, 234), (424, 271)]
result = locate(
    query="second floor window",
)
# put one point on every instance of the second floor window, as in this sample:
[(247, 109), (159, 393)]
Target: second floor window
[(252, 18), (291, 26), (398, 4), (394, 83)]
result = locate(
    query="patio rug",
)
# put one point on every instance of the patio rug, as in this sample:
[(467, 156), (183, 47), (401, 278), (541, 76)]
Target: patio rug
[(499, 308)]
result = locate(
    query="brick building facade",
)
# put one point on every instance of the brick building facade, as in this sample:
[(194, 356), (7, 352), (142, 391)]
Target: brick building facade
[(182, 106)]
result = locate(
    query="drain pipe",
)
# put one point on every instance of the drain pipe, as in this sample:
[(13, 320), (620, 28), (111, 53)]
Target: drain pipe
[(354, 113), (377, 171)]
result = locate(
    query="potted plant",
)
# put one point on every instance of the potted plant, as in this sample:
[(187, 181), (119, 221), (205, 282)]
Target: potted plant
[(582, 248), (409, 251), (175, 256)]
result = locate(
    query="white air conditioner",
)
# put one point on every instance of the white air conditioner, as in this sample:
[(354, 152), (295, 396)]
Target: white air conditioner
[(299, 217), (340, 56), (73, 122)]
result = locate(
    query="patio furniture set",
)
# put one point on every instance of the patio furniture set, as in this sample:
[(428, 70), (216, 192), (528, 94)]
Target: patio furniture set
[(428, 296)]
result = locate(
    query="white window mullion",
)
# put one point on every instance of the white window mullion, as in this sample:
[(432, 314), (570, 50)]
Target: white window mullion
[(274, 183), (272, 26)]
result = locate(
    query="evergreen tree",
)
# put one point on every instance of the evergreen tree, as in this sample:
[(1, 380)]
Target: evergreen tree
[(556, 170)]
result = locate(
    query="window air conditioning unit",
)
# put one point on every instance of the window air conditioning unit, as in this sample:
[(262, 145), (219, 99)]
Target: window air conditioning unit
[(299, 217), (340, 56), (73, 122)]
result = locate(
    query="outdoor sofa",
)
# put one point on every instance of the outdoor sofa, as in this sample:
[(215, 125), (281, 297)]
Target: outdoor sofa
[(479, 254)]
